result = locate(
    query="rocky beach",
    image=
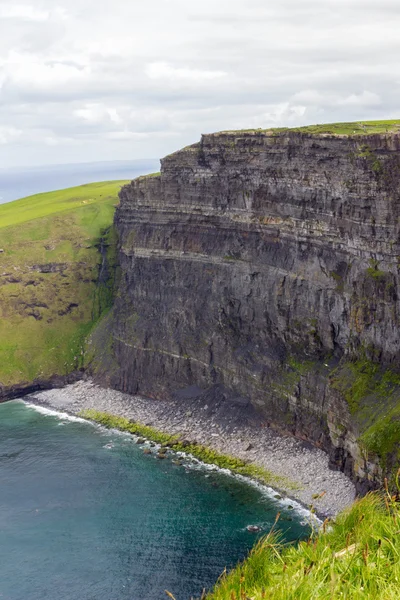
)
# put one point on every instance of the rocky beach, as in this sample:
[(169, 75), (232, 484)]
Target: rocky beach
[(230, 429)]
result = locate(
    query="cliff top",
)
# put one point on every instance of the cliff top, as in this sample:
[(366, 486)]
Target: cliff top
[(339, 129), (357, 129)]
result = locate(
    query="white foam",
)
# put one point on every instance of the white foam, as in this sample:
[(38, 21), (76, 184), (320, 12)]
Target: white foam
[(265, 490), (49, 412)]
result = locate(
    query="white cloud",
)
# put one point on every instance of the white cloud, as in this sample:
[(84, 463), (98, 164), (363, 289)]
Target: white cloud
[(23, 11), (28, 12), (162, 70), (9, 134), (100, 80), (364, 99), (97, 114)]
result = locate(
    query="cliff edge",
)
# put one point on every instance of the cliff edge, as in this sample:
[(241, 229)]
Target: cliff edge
[(263, 267)]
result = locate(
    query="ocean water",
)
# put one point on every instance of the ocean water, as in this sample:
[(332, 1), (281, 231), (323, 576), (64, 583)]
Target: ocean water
[(20, 182), (86, 515)]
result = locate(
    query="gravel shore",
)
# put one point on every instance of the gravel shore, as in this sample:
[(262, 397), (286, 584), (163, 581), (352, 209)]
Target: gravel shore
[(230, 429)]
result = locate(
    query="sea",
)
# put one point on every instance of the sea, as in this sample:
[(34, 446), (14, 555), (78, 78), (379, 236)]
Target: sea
[(19, 182), (86, 514)]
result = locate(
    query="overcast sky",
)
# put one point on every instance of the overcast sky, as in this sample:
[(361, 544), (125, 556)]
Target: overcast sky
[(86, 80)]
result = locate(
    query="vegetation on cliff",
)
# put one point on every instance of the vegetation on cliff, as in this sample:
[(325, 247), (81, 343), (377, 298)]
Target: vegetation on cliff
[(373, 396), (54, 281)]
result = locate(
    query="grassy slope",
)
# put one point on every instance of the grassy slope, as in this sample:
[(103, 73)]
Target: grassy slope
[(358, 558), (356, 128), (44, 316)]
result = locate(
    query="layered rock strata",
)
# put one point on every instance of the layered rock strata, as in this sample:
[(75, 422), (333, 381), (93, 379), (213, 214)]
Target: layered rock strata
[(264, 267)]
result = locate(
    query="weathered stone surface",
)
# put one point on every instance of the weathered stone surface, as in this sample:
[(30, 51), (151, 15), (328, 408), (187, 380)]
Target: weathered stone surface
[(257, 262)]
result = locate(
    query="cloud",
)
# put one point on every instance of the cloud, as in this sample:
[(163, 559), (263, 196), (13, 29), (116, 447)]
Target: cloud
[(9, 134), (364, 99), (24, 12), (97, 114), (84, 80), (162, 70), (28, 12)]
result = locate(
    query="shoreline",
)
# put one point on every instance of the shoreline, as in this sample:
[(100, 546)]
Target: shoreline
[(224, 428)]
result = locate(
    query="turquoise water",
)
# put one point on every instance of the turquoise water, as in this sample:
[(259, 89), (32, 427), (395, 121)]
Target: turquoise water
[(85, 514)]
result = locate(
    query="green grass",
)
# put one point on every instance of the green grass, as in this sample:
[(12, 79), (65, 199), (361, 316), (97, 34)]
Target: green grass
[(357, 558), (45, 313), (206, 455), (358, 128)]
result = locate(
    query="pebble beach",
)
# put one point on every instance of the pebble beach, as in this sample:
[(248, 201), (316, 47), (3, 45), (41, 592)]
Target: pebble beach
[(223, 428)]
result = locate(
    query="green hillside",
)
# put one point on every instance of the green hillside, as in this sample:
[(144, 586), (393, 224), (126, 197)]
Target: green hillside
[(49, 267)]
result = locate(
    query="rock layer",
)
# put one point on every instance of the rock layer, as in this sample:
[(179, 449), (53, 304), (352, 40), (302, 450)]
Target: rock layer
[(256, 265)]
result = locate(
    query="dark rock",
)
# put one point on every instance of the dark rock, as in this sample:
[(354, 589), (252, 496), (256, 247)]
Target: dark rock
[(253, 528), (252, 268), (21, 390)]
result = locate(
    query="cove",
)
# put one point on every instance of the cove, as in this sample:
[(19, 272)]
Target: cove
[(84, 513)]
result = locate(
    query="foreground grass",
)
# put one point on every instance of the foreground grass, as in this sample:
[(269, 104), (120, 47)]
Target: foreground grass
[(206, 455), (358, 558), (49, 267)]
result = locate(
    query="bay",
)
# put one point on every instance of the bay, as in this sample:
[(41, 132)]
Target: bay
[(85, 514)]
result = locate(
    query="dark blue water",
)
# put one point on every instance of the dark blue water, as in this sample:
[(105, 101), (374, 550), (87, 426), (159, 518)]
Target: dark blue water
[(21, 182), (85, 514)]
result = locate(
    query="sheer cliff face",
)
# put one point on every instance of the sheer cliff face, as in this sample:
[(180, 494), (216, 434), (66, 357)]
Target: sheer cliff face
[(254, 265)]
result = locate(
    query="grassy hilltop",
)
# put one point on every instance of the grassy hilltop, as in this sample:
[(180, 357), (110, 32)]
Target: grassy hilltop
[(49, 267), (358, 128)]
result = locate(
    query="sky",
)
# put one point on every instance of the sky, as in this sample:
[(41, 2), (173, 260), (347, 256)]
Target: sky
[(88, 80)]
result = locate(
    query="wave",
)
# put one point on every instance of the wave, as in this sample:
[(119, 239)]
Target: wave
[(49, 412)]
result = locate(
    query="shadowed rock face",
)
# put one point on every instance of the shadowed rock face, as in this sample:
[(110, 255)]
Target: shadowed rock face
[(257, 263)]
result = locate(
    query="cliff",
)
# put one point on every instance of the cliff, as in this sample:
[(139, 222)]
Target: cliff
[(264, 267)]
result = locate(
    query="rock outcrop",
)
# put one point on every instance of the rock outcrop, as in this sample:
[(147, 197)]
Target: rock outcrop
[(265, 267)]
